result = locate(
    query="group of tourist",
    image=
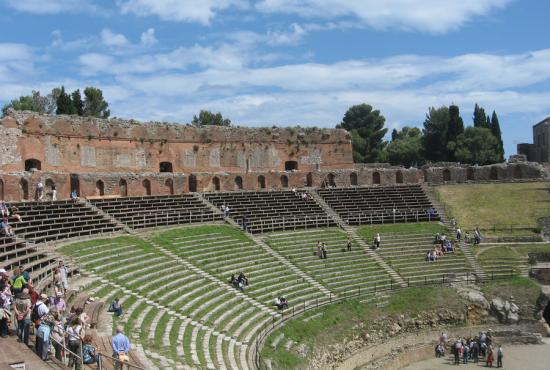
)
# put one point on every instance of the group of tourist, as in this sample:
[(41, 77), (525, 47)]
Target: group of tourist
[(441, 246), (304, 195), (479, 348), (8, 214), (44, 315), (239, 282)]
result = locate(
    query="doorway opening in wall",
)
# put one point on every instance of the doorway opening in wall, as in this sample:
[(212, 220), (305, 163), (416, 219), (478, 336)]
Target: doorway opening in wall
[(493, 175), (165, 167), (239, 183), (100, 188), (329, 182), (169, 184), (261, 182), (75, 184), (291, 165), (309, 180), (470, 174), (376, 178), (446, 175), (123, 188), (33, 165), (1, 189), (399, 177), (517, 172), (216, 184), (353, 179), (147, 186), (24, 189), (192, 183), (284, 181)]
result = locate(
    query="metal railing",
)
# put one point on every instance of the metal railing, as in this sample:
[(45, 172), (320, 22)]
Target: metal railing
[(363, 218), (116, 363)]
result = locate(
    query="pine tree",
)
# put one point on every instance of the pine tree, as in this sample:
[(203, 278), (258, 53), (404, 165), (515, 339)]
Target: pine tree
[(64, 103), (480, 118), (488, 123), (78, 104), (394, 135), (456, 127), (495, 130)]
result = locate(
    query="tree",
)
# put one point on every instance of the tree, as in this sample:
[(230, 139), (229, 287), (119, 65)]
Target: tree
[(94, 103), (406, 149), (477, 145), (394, 134), (34, 103), (455, 128), (434, 140), (208, 118), (64, 103), (367, 132), (495, 130), (78, 104), (480, 118)]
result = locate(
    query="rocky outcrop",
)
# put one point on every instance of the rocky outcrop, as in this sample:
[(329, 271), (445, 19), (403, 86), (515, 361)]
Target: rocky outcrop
[(506, 312)]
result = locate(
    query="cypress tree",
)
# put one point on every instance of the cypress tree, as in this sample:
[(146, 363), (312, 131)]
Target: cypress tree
[(64, 103), (394, 135), (78, 104), (480, 118), (495, 130), (456, 127)]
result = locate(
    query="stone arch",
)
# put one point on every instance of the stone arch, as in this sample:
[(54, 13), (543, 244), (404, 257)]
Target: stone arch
[(216, 183), (291, 165), (1, 189), (309, 180), (239, 183), (516, 172), (399, 177), (261, 182), (75, 184), (169, 184), (284, 181), (146, 186), (49, 183), (493, 174), (24, 188), (123, 187), (470, 175), (165, 167), (329, 180), (446, 174), (376, 178), (32, 164), (100, 188), (353, 179), (192, 183)]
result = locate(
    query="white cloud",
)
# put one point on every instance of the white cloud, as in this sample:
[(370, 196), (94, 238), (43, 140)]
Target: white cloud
[(435, 16), (51, 6), (110, 38), (200, 11), (15, 61), (148, 37)]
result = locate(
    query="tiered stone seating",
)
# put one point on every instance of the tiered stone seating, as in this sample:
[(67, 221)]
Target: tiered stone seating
[(342, 272), (272, 210), (376, 204), (15, 253), (223, 251), (153, 211), (206, 324), (47, 221), (406, 254)]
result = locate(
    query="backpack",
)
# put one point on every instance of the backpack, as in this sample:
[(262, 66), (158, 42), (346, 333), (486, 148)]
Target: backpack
[(34, 314)]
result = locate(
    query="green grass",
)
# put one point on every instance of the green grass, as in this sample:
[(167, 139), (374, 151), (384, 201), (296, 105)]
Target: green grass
[(166, 238), (511, 250), (501, 204), (351, 318), (525, 291), (368, 232)]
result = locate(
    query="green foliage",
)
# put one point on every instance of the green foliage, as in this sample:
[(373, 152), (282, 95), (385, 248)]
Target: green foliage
[(480, 118), (495, 130), (94, 103), (454, 129), (64, 103), (367, 132), (208, 118), (477, 145), (78, 104), (34, 102), (368, 232), (406, 147), (435, 134)]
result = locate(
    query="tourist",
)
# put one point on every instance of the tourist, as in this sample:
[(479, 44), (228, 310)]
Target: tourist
[(64, 274), (319, 252), (457, 351), (242, 281), (500, 355), (465, 353), (57, 336), (39, 190), (348, 244), (121, 347), (54, 193), (477, 236), (281, 303), (40, 310), (74, 196), (75, 332), (6, 227), (42, 345), (324, 251), (22, 310), (458, 234), (18, 281), (377, 241), (89, 354), (15, 214), (490, 357), (115, 307), (5, 314), (59, 303), (440, 350)]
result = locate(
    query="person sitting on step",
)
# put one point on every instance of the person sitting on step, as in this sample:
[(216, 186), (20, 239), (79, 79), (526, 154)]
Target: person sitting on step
[(281, 303), (115, 307)]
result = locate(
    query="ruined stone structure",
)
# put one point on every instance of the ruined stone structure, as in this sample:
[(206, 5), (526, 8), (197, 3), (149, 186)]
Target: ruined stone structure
[(115, 157), (539, 151)]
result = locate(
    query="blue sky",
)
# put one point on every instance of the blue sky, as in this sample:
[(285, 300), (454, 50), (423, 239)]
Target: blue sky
[(286, 62)]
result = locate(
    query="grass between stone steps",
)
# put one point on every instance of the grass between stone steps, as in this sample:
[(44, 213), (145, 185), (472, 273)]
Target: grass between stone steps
[(524, 290), (348, 319), (167, 237), (369, 232)]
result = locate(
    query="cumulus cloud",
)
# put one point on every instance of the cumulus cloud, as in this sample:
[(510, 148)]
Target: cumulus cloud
[(148, 37), (51, 6), (110, 38), (200, 11), (433, 16)]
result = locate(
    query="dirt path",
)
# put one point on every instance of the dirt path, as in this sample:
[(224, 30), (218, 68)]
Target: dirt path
[(520, 357)]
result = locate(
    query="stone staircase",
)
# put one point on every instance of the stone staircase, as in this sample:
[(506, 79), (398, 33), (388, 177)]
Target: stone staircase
[(544, 222), (359, 240), (107, 216)]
